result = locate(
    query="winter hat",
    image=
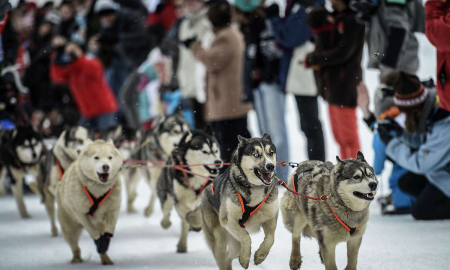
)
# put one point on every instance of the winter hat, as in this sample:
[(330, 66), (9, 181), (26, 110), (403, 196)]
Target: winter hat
[(104, 7), (409, 91), (247, 5), (317, 19), (52, 17)]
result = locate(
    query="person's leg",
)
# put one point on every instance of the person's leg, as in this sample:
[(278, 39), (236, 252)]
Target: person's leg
[(106, 121), (198, 115), (400, 198), (431, 204), (346, 126), (334, 128), (258, 105), (129, 98), (274, 101), (412, 184), (308, 110)]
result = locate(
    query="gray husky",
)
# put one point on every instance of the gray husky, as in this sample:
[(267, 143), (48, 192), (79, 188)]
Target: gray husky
[(157, 144), (349, 186), (184, 189), (239, 202)]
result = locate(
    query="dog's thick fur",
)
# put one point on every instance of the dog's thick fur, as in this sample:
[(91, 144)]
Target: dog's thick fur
[(173, 188), (315, 219), (219, 214), (99, 158), (21, 150), (157, 144), (127, 140), (70, 144)]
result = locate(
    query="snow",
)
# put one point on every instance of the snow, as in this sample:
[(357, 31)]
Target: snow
[(140, 243)]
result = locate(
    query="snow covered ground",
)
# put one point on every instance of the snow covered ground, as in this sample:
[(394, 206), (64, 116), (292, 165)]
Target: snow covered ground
[(140, 243)]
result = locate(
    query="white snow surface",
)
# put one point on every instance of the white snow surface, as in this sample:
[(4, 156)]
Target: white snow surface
[(140, 243)]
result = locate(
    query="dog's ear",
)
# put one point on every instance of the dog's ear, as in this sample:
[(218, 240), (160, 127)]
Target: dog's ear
[(338, 159), (242, 141), (117, 132), (267, 137), (88, 141), (360, 157), (209, 131), (188, 137), (110, 141)]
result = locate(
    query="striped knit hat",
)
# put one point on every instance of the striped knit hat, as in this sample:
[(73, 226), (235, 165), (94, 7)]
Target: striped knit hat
[(409, 91)]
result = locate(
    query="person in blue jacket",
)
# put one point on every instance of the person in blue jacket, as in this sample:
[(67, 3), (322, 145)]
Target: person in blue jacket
[(422, 148)]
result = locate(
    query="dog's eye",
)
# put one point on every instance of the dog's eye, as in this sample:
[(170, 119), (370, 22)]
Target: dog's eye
[(80, 141), (256, 155), (356, 177), (369, 174), (270, 153), (96, 158), (110, 158), (205, 152)]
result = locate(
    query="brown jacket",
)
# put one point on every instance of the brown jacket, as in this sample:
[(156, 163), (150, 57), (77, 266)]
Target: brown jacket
[(224, 63)]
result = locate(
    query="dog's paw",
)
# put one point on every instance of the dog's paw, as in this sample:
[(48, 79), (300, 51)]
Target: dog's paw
[(166, 223), (181, 248), (76, 259), (25, 216), (131, 209), (244, 262), (106, 260), (260, 256), (54, 232), (148, 211), (295, 262), (350, 268)]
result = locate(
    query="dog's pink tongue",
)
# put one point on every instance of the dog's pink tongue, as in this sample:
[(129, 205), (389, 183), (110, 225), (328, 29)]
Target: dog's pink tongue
[(266, 177)]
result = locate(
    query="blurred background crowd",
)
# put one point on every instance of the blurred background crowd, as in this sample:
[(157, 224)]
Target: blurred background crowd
[(100, 63)]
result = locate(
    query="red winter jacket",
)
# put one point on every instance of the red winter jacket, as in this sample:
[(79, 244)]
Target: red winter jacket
[(437, 22), (88, 86)]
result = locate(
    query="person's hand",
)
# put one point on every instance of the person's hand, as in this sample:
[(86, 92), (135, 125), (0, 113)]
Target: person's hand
[(188, 42), (5, 7), (388, 129), (73, 48), (58, 41), (363, 100), (272, 11), (93, 44)]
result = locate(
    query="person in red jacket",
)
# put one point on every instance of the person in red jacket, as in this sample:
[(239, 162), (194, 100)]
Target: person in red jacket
[(85, 78), (437, 29)]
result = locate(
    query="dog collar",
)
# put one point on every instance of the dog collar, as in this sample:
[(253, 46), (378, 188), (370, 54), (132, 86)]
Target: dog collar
[(96, 202), (60, 169), (247, 211)]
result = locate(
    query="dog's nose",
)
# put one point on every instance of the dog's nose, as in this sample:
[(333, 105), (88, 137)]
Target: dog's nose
[(34, 155), (78, 152), (105, 168), (373, 185), (270, 167), (218, 163)]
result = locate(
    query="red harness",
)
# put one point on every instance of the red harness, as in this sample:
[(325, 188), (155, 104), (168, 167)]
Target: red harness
[(322, 198), (96, 202), (60, 169)]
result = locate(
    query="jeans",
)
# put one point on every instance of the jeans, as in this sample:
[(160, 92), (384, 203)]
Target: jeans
[(269, 103), (100, 122)]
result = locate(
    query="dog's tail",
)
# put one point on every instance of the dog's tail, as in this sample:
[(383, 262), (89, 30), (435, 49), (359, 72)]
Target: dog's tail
[(194, 218)]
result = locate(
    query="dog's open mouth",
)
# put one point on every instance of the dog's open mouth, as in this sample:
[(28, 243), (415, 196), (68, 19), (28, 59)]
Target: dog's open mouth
[(103, 177), (212, 171), (364, 196), (265, 177)]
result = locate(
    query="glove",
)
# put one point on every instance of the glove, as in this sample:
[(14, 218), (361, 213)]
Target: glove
[(388, 129), (188, 42), (272, 11), (103, 243), (5, 7)]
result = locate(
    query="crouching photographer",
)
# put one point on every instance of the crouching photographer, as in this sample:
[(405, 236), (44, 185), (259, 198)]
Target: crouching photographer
[(422, 148)]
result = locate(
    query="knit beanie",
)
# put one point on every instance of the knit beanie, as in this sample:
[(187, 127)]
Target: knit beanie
[(409, 91)]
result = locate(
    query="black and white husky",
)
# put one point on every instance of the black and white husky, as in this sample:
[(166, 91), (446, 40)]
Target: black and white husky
[(182, 189), (156, 146), (239, 202), (21, 150)]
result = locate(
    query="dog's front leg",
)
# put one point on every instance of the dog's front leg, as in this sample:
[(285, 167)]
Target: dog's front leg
[(296, 257), (182, 212), (17, 189), (242, 236), (352, 252), (84, 220), (327, 252), (269, 231)]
